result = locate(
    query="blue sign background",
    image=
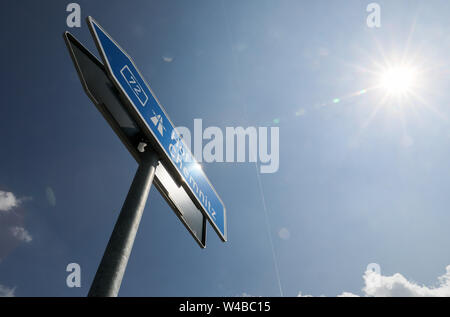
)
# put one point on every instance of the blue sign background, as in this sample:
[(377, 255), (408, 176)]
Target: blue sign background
[(128, 79)]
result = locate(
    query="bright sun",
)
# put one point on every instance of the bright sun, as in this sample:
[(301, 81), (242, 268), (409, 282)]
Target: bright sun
[(398, 80)]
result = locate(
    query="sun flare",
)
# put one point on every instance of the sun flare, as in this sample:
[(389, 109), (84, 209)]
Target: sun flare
[(398, 80)]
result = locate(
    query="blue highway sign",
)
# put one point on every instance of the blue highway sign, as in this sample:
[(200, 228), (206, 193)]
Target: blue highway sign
[(151, 116), (102, 92)]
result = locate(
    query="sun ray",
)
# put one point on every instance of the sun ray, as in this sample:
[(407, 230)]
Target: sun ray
[(426, 104), (372, 115)]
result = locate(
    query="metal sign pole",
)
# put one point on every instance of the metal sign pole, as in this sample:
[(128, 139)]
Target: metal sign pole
[(112, 267)]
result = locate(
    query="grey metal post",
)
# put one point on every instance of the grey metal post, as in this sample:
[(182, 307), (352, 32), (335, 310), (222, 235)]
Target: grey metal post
[(114, 262)]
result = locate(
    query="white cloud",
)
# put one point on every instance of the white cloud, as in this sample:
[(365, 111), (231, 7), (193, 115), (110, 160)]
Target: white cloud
[(167, 59), (8, 201), (347, 294), (21, 234), (6, 291), (377, 285), (398, 286)]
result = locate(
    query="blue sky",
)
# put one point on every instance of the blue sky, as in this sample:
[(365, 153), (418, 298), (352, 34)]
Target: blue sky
[(363, 180)]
